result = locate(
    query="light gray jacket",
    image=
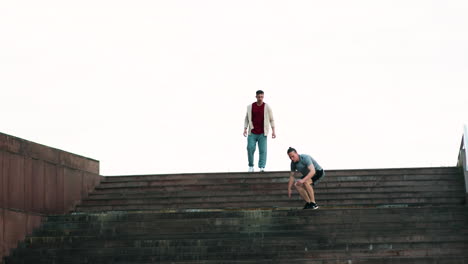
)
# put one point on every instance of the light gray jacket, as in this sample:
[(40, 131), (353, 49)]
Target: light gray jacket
[(268, 119)]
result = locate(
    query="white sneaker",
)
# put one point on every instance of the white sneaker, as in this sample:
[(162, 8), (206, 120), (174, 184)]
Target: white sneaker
[(262, 169), (251, 169)]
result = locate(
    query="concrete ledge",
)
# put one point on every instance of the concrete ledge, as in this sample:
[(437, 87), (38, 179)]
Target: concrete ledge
[(37, 180), (37, 151)]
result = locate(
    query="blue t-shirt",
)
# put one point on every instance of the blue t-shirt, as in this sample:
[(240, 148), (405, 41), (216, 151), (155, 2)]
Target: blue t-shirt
[(303, 164)]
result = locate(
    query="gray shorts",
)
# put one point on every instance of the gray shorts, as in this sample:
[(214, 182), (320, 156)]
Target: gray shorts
[(318, 176)]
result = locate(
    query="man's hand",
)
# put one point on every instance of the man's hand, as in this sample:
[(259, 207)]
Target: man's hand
[(299, 182), (245, 132), (289, 193), (273, 135)]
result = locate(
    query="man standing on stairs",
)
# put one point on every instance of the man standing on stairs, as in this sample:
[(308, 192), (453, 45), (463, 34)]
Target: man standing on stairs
[(312, 173), (258, 120)]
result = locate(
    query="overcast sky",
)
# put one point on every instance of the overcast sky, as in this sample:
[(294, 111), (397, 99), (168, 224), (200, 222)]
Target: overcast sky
[(162, 86)]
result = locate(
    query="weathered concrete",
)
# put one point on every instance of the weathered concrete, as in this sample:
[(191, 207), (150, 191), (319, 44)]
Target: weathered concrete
[(247, 236), (391, 216), (385, 187), (14, 226), (37, 180)]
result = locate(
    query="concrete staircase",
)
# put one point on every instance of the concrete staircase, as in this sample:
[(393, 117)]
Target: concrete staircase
[(367, 216)]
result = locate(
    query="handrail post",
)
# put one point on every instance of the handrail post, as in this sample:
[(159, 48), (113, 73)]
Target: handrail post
[(465, 140), (463, 159)]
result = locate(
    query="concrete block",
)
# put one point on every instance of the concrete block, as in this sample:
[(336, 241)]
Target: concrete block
[(2, 237), (2, 184), (28, 185), (50, 179), (90, 181), (16, 182), (41, 152), (33, 222), (72, 182), (38, 192), (9, 143), (37, 151), (5, 172), (60, 190), (78, 162), (14, 228)]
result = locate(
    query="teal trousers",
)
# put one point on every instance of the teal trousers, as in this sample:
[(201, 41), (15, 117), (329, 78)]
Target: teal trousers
[(252, 141)]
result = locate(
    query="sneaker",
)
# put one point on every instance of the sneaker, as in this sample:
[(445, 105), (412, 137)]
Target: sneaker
[(262, 169), (251, 169), (306, 206), (313, 206)]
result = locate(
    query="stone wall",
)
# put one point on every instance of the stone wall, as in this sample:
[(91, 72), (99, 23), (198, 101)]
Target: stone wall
[(36, 181)]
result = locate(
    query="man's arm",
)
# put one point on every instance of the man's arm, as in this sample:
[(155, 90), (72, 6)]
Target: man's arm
[(272, 122), (309, 175), (246, 122), (290, 183)]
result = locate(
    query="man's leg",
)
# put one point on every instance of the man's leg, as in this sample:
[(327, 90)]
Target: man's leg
[(251, 145), (262, 149), (309, 190), (303, 193)]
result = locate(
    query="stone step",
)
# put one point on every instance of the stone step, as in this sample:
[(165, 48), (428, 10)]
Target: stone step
[(455, 178), (270, 186), (318, 190), (252, 224), (242, 246), (330, 232), (356, 224), (332, 220), (378, 216), (370, 260), (345, 260), (208, 232), (281, 174), (278, 202), (270, 197), (342, 214), (230, 241), (100, 255)]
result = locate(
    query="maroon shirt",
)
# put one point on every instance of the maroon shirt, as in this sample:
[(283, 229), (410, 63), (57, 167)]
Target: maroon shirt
[(258, 118)]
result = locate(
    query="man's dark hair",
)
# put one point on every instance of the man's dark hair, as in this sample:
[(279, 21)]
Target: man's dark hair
[(291, 150), (259, 92)]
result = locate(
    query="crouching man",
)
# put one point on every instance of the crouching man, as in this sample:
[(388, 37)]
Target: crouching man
[(311, 175)]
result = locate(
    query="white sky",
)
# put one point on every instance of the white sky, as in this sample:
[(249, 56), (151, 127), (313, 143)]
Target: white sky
[(162, 86)]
